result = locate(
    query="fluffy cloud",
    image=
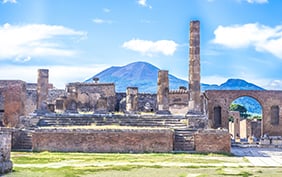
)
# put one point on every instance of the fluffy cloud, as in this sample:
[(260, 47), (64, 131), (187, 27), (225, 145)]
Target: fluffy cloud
[(149, 48), (144, 3), (101, 21), (262, 38), (10, 1), (257, 1), (58, 75), (27, 41)]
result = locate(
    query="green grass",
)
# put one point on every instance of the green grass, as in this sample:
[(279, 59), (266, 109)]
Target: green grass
[(58, 164)]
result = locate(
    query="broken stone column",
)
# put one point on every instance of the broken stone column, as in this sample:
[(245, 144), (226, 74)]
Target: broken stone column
[(194, 68), (6, 164), (235, 126), (162, 93), (42, 91), (132, 99)]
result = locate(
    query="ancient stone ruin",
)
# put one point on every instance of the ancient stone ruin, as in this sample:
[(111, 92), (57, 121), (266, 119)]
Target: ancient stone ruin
[(5, 149), (78, 118)]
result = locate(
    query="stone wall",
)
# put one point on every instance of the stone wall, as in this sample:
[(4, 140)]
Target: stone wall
[(211, 140), (5, 151), (104, 140), (147, 102), (178, 101), (13, 100), (97, 97)]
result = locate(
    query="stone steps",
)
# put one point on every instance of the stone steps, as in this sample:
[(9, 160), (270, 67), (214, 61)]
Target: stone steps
[(24, 140), (122, 121), (184, 139)]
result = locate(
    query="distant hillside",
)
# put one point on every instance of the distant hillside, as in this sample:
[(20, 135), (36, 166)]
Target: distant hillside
[(139, 74), (144, 76)]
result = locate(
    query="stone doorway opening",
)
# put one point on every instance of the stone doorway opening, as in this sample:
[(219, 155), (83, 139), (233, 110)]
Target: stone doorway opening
[(245, 120)]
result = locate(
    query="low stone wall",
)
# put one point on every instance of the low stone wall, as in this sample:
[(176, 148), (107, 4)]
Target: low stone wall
[(103, 140), (5, 151), (211, 140)]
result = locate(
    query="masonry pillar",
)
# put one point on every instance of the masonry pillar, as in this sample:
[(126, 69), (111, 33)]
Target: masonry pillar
[(131, 99), (194, 68), (6, 164), (235, 126), (162, 93), (42, 90)]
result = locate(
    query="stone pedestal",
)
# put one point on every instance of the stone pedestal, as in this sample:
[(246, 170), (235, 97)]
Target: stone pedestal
[(197, 121), (6, 164)]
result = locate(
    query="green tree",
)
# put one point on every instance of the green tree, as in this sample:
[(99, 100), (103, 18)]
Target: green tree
[(242, 110)]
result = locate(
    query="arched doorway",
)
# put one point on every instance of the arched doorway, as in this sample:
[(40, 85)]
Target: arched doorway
[(245, 119)]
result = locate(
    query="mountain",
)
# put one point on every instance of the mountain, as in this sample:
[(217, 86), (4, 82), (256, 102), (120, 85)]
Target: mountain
[(139, 74), (144, 76)]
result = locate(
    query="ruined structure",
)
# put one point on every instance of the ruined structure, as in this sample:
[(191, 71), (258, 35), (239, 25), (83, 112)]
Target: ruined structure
[(5, 149), (132, 99), (162, 94), (176, 120), (194, 69)]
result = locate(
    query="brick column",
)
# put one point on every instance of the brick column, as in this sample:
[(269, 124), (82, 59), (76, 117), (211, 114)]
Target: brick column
[(131, 99), (162, 93), (194, 68), (42, 90)]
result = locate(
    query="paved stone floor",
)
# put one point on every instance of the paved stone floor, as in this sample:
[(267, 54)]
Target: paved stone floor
[(260, 156)]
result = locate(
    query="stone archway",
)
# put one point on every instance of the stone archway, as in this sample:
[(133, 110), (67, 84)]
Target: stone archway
[(267, 99)]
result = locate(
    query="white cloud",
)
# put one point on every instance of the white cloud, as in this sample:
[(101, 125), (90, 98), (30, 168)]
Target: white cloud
[(27, 41), (213, 79), (101, 21), (257, 1), (58, 75), (165, 47), (262, 38), (10, 1), (144, 3), (106, 10)]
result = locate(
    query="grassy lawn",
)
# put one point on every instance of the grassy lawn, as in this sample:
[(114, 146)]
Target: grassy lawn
[(47, 164)]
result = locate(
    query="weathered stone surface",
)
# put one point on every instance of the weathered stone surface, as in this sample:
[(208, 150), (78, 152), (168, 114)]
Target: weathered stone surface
[(91, 97), (194, 68), (234, 126), (107, 140), (13, 95), (42, 90), (178, 101), (198, 121), (131, 99), (162, 93), (5, 151), (211, 140)]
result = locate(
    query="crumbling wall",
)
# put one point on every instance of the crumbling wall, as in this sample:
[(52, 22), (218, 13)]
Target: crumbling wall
[(97, 97), (5, 151), (105, 140), (211, 140), (13, 96)]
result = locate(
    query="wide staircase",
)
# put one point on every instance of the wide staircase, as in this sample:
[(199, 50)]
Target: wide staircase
[(183, 136)]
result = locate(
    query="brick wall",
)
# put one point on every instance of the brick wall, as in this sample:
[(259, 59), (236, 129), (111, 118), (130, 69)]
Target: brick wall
[(211, 140), (107, 140), (5, 150)]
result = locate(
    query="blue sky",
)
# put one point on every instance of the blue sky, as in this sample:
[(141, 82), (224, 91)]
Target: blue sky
[(76, 39)]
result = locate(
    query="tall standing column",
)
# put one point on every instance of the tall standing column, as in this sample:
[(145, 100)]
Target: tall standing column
[(194, 68), (42, 90), (162, 94)]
